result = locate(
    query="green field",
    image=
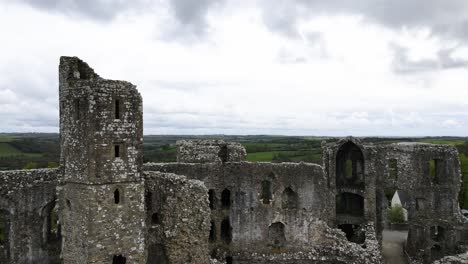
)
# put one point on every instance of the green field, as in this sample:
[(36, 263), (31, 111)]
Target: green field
[(37, 150), (7, 150)]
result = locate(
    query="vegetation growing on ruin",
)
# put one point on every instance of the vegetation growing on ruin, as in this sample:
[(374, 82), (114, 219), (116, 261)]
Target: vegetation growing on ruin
[(395, 214)]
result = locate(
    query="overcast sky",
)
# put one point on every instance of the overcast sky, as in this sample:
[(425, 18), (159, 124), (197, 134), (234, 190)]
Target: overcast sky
[(292, 67)]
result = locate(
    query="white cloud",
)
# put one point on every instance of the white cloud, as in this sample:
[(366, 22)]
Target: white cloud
[(336, 77)]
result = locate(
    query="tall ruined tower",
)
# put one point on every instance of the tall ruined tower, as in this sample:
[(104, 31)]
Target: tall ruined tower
[(102, 205)]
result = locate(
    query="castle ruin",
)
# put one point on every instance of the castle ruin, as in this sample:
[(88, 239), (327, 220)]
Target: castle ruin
[(103, 205)]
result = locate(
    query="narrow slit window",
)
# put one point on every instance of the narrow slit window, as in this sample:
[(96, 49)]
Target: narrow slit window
[(212, 199), (76, 105), (155, 219), (265, 194), (117, 151), (393, 169), (117, 196), (226, 199), (226, 231), (117, 109), (432, 169)]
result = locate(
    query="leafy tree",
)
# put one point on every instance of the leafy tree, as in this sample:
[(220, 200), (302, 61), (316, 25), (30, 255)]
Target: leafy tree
[(396, 214)]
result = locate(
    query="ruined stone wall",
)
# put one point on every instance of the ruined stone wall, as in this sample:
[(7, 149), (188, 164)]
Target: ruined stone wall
[(327, 246), (201, 151), (96, 116), (269, 209), (178, 219), (365, 186), (27, 198), (96, 228), (433, 212), (101, 126)]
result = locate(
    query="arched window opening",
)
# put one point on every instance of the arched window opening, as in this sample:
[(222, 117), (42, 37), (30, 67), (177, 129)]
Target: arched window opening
[(437, 233), (349, 204), (226, 231), (155, 219), (289, 199), (212, 199), (437, 171), (276, 234), (226, 199), (157, 254), (51, 225), (119, 259), (354, 233), (213, 232), (350, 166), (149, 201), (51, 236), (54, 226), (436, 252), (117, 198), (265, 194)]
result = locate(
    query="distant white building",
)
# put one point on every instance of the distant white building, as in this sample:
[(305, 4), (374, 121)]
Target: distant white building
[(402, 199)]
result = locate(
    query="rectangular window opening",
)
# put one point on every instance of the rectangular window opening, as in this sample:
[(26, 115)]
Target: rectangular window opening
[(393, 169), (117, 109), (77, 109), (433, 169), (117, 151)]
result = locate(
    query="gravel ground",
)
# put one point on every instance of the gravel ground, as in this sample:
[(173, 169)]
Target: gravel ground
[(392, 246)]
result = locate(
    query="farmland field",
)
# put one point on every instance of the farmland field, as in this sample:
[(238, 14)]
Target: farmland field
[(37, 150)]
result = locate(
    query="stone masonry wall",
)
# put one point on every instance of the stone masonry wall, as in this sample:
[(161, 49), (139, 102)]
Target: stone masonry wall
[(435, 228), (101, 125), (299, 200), (201, 151), (178, 219), (27, 198), (96, 228), (90, 129)]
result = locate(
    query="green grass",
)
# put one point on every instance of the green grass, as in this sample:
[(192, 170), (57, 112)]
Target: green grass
[(442, 141), (260, 156), (5, 138), (7, 150)]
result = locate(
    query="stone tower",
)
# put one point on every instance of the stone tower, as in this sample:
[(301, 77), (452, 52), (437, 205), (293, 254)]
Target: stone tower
[(102, 189)]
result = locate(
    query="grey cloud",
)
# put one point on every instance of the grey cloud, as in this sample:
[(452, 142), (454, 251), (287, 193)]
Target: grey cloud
[(448, 17), (101, 10), (189, 22), (189, 16), (402, 64)]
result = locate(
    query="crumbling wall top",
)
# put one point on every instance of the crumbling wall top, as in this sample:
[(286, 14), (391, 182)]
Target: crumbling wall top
[(74, 68), (203, 151)]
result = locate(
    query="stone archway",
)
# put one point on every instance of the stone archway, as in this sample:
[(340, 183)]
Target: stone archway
[(349, 166)]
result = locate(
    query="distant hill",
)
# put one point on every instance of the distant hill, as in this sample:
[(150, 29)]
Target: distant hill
[(41, 150)]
